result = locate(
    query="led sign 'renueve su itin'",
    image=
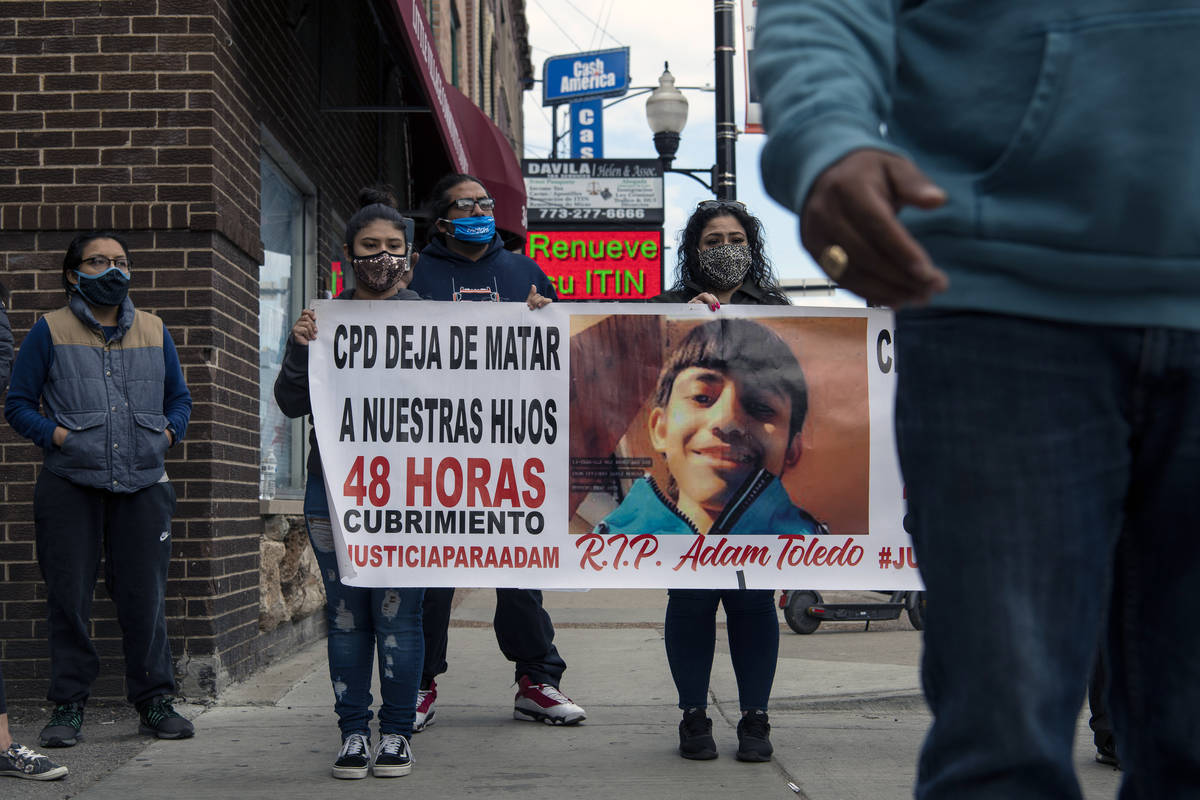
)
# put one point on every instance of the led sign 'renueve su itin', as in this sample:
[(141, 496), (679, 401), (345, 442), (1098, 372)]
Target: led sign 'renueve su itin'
[(600, 265)]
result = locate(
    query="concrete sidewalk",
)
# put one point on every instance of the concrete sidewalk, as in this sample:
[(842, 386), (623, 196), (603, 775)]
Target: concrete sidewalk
[(846, 713)]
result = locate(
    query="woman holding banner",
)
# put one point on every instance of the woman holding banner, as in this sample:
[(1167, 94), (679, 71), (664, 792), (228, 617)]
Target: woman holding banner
[(721, 260), (361, 620)]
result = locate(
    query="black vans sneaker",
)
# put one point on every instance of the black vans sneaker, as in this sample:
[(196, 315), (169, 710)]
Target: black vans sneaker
[(354, 759), (64, 725), (159, 718), (754, 737), (695, 736), (393, 756)]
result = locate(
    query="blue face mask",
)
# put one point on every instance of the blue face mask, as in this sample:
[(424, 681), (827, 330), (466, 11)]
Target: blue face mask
[(109, 288), (473, 230)]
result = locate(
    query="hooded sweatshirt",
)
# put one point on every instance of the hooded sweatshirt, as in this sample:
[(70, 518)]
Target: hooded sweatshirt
[(442, 274), (1066, 134)]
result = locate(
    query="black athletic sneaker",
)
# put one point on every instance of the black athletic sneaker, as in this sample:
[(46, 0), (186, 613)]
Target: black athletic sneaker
[(21, 762), (754, 737), (354, 759), (393, 756), (1107, 754), (64, 725), (159, 718), (695, 736)]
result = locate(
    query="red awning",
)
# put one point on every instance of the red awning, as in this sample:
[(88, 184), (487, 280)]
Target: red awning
[(493, 162), (472, 141)]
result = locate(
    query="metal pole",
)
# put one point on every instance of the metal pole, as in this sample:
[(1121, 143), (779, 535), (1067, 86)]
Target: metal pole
[(725, 174), (554, 131)]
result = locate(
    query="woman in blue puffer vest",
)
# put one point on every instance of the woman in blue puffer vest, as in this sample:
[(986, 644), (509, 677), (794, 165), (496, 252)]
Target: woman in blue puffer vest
[(112, 400)]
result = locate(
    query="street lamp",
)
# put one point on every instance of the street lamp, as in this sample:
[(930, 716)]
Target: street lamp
[(666, 113)]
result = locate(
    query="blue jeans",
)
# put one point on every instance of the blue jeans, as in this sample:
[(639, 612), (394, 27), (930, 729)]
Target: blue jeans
[(691, 638), (360, 621), (1049, 467)]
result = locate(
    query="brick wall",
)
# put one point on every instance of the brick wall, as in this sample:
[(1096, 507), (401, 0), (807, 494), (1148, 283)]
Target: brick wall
[(514, 70), (149, 117), (146, 116)]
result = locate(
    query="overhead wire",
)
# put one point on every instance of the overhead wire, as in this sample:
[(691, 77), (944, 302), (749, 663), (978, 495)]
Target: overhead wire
[(595, 29), (611, 5), (588, 17), (560, 27)]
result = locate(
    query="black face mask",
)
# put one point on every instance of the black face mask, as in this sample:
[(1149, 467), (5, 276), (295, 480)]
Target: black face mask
[(109, 288)]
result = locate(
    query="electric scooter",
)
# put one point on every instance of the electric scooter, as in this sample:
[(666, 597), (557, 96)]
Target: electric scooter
[(805, 610)]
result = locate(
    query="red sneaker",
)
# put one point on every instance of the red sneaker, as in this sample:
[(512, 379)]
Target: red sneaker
[(425, 711), (542, 702)]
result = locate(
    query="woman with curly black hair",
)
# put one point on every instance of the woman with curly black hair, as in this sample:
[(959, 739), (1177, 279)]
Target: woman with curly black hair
[(722, 259)]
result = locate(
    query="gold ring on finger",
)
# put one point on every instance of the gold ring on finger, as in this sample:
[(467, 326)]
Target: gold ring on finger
[(834, 261)]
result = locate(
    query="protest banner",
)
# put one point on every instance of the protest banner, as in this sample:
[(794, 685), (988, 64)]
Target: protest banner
[(610, 445)]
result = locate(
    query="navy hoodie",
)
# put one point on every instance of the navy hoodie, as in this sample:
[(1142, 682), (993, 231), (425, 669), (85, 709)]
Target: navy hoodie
[(442, 274)]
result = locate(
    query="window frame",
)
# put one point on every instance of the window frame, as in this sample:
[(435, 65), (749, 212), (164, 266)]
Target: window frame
[(304, 283)]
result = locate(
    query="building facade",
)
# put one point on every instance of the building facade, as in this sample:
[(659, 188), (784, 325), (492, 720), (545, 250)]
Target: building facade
[(227, 140)]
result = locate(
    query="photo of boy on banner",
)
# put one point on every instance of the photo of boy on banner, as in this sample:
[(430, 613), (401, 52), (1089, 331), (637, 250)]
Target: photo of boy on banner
[(750, 426)]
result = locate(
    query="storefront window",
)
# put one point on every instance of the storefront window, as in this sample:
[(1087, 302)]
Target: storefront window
[(285, 231)]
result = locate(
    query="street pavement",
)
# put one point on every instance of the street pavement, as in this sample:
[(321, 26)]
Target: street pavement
[(846, 713)]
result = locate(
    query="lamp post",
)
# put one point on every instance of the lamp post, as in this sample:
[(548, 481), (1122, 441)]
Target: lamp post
[(725, 172), (666, 113)]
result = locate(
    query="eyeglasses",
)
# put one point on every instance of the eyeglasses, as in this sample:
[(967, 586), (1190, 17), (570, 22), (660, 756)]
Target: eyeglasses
[(103, 262), (466, 203), (709, 205)]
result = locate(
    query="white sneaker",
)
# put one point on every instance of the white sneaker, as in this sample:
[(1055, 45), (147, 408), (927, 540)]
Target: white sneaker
[(393, 757), (542, 702), (425, 711), (354, 759)]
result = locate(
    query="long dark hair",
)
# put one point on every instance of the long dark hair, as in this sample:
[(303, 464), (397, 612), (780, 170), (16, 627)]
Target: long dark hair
[(74, 256), (761, 273)]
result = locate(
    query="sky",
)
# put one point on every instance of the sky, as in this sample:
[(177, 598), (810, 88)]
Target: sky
[(655, 31)]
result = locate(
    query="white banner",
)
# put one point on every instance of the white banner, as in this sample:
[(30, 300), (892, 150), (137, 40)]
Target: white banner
[(610, 445)]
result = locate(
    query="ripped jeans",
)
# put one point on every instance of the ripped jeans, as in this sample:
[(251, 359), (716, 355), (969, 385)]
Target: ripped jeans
[(361, 619)]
